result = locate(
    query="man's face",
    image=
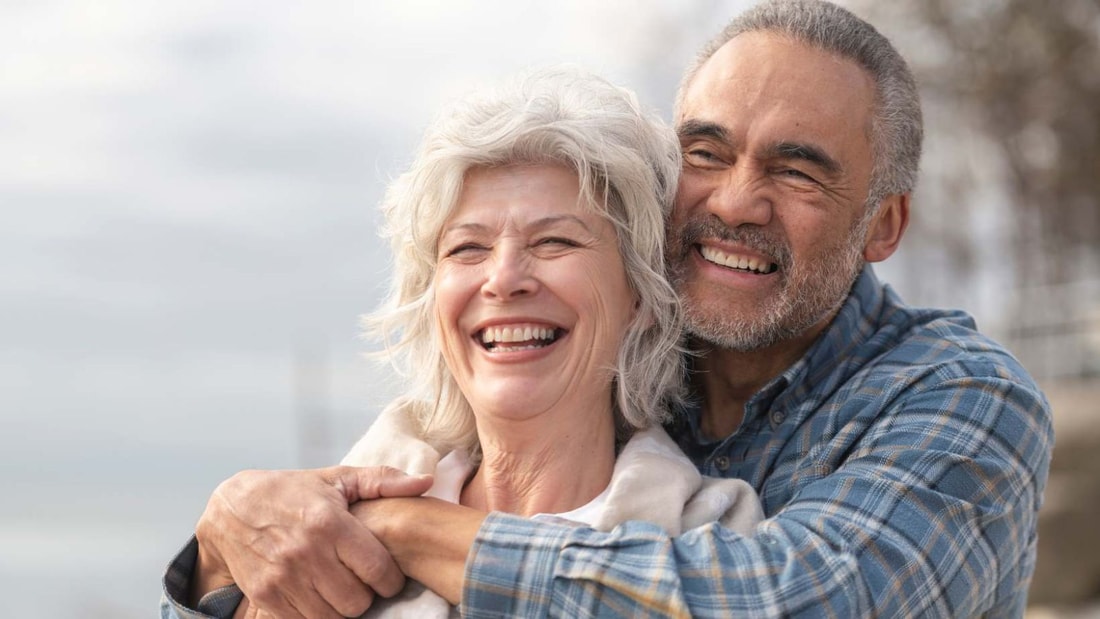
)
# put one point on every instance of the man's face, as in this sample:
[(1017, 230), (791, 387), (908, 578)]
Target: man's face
[(767, 233)]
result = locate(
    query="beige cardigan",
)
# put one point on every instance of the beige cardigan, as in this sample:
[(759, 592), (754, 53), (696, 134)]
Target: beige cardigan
[(652, 481)]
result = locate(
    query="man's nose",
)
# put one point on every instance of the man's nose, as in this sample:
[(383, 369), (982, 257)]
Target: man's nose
[(510, 275), (740, 197)]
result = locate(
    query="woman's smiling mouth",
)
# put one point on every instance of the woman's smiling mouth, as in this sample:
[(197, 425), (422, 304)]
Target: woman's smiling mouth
[(517, 337)]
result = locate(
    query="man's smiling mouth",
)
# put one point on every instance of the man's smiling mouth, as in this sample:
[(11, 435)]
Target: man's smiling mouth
[(514, 338), (735, 261)]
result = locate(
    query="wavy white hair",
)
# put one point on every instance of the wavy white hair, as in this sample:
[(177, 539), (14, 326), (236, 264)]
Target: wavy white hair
[(627, 162)]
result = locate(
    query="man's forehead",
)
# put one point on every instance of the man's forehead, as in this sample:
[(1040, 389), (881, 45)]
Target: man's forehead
[(769, 79), (778, 56)]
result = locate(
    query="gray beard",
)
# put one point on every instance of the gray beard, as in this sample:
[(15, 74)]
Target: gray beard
[(808, 293)]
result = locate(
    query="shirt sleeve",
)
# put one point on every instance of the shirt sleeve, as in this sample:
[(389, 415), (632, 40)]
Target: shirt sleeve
[(218, 604), (932, 513)]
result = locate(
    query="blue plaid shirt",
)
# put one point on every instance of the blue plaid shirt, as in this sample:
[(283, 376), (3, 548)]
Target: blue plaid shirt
[(901, 463)]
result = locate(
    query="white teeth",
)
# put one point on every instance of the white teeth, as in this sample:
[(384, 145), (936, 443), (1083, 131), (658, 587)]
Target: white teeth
[(521, 333), (736, 262), (515, 348)]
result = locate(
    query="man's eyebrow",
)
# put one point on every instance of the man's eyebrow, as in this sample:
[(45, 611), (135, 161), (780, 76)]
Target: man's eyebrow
[(805, 152), (701, 129)]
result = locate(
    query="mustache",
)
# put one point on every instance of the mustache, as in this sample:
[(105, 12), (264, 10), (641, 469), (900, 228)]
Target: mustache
[(753, 237)]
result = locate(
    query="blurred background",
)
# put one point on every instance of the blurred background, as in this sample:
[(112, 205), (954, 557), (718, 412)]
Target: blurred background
[(189, 190)]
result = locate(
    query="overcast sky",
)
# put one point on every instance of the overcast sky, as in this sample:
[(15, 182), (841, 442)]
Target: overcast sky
[(188, 192), (189, 188)]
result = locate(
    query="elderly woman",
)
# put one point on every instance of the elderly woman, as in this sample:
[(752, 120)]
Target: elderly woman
[(532, 321), (532, 318)]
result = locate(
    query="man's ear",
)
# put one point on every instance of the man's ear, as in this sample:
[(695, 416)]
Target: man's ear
[(885, 232)]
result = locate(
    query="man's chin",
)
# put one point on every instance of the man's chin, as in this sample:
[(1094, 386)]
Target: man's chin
[(719, 330)]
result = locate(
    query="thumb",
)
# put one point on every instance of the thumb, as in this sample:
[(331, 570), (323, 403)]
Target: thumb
[(375, 482)]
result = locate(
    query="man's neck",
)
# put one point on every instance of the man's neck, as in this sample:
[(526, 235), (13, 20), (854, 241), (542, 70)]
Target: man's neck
[(726, 379)]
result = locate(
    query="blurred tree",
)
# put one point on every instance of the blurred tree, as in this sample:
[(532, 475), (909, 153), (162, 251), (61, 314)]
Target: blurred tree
[(1020, 80)]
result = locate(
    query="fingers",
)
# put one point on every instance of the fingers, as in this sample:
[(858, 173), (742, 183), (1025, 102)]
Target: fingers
[(395, 485), (255, 612), (272, 601), (308, 578), (358, 483), (275, 531), (335, 598), (346, 593), (312, 604), (245, 610), (369, 560), (293, 546)]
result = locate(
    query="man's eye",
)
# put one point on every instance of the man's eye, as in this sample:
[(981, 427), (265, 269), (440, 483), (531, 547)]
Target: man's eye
[(703, 159), (797, 174), (701, 155)]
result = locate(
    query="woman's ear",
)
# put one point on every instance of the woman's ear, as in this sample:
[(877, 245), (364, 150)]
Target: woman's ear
[(885, 232)]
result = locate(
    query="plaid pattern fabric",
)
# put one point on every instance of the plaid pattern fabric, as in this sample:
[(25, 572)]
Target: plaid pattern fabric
[(218, 604), (901, 463)]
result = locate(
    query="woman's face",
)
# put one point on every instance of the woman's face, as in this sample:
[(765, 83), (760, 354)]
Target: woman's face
[(532, 299)]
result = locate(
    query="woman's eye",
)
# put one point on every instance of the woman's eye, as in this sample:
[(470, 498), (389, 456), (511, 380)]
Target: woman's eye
[(465, 248), (557, 240)]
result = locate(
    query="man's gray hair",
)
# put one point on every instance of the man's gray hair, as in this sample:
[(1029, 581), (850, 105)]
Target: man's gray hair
[(896, 128), (627, 162)]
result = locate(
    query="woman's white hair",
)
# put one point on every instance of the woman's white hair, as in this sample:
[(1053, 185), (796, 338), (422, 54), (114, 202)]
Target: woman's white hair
[(627, 162)]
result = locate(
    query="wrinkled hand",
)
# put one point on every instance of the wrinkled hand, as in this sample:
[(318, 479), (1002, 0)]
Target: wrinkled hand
[(289, 542)]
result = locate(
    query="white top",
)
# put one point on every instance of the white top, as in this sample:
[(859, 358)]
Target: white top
[(454, 468)]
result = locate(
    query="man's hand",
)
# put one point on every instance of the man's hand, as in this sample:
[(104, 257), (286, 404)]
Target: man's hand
[(289, 542)]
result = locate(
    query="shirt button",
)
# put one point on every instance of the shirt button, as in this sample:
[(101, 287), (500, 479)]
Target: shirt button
[(722, 463), (777, 417)]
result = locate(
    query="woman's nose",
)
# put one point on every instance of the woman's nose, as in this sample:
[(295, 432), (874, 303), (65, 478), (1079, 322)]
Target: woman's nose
[(510, 276)]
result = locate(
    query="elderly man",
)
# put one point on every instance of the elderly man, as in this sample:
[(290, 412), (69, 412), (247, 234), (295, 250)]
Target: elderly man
[(900, 455)]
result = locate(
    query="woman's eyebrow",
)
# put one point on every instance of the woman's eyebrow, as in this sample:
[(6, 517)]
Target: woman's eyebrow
[(463, 226), (551, 220), (538, 224)]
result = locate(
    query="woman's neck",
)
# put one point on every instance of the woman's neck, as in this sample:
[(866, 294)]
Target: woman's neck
[(539, 466)]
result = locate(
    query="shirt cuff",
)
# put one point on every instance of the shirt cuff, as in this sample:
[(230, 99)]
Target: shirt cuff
[(218, 604), (510, 568)]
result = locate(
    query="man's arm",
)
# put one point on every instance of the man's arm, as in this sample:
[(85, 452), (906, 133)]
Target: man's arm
[(929, 514), (287, 539)]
